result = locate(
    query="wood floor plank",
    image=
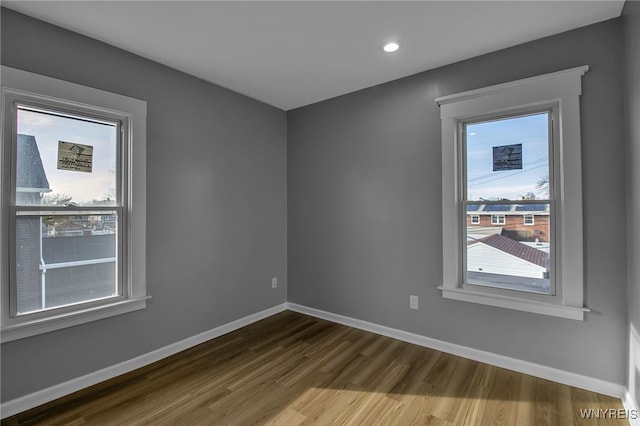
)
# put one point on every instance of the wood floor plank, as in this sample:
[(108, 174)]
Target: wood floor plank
[(292, 369), (525, 413), (470, 408), (499, 401)]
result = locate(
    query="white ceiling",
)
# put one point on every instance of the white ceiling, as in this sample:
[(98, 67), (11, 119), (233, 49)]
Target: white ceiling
[(294, 53)]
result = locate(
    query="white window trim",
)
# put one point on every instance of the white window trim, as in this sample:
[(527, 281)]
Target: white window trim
[(533, 219), (563, 89), (16, 81), (475, 219)]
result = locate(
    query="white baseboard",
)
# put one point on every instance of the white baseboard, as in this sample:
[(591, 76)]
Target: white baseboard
[(526, 367), (632, 409), (43, 396), (630, 403)]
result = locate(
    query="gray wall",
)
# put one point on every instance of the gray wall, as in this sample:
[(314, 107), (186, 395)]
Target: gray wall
[(364, 196), (631, 17), (216, 224)]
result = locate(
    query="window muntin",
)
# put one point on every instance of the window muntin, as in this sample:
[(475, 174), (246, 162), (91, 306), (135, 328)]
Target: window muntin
[(475, 219), (64, 162), (507, 169)]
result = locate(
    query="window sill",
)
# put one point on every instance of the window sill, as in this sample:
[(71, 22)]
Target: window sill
[(517, 303), (29, 328)]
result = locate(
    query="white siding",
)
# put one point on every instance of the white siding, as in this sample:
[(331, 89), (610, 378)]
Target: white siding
[(490, 260)]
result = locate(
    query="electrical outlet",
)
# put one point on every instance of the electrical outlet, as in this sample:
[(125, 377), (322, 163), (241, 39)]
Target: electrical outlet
[(274, 282), (413, 302)]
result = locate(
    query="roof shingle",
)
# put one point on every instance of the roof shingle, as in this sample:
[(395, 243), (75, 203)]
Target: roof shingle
[(517, 249)]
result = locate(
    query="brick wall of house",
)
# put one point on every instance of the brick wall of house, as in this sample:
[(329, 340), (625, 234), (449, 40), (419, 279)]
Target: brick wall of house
[(514, 226)]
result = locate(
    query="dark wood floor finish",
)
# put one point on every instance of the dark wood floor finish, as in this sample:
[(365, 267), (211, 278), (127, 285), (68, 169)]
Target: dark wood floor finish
[(292, 369)]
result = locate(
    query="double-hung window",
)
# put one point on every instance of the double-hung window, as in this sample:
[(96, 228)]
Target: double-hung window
[(506, 164), (511, 151), (72, 206)]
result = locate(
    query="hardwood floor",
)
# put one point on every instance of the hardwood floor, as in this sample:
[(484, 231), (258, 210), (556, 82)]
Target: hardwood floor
[(291, 369)]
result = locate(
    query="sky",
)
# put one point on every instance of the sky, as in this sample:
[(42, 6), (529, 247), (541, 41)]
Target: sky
[(532, 132), (83, 187)]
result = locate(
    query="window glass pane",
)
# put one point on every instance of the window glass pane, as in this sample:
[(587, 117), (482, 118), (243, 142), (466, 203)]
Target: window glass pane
[(64, 159), (508, 158), (505, 252), (64, 259)]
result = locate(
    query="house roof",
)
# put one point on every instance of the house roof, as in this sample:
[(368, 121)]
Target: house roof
[(30, 174), (517, 249)]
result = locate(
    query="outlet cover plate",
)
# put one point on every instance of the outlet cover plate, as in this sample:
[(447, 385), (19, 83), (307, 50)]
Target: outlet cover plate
[(413, 302)]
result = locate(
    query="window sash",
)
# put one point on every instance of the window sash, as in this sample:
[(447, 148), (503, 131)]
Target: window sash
[(91, 113), (466, 230), (43, 211), (552, 112), (39, 103)]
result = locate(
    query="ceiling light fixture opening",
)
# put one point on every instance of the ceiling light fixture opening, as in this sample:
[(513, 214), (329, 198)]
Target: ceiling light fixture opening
[(391, 46)]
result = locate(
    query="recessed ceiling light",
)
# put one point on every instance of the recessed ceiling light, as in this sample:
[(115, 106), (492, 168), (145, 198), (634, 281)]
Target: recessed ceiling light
[(391, 46)]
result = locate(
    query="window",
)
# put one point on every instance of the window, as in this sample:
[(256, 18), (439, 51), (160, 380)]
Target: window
[(475, 219), (501, 175), (506, 152), (72, 210), (497, 219)]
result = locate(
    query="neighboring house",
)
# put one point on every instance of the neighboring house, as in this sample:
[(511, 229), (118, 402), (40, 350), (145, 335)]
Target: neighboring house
[(31, 179), (31, 185), (79, 268), (497, 254), (522, 222)]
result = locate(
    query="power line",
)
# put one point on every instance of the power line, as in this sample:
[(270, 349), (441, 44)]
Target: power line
[(506, 176), (536, 161)]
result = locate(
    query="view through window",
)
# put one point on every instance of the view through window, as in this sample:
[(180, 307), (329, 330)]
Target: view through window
[(508, 204), (66, 209)]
